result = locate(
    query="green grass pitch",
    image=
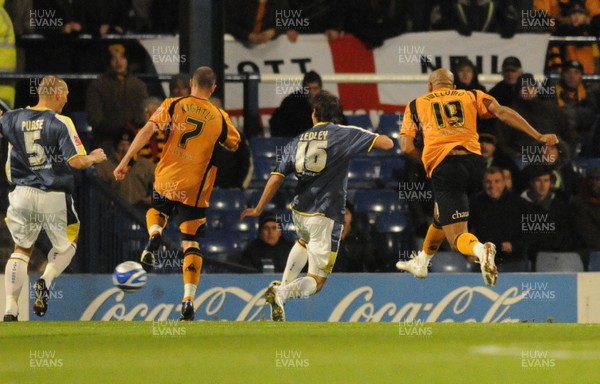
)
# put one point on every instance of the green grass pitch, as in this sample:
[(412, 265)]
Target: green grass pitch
[(297, 352)]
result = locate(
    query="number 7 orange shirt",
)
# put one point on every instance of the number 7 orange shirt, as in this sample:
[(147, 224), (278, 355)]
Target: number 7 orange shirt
[(447, 118), (186, 171)]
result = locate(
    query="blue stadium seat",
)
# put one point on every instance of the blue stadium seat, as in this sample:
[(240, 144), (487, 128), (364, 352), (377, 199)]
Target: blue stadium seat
[(262, 172), (390, 122), (281, 200), (451, 262), (227, 200), (520, 265), (363, 121), (594, 265), (363, 173), (582, 165), (230, 221), (222, 246), (394, 222), (392, 171), (268, 147), (377, 201), (558, 262)]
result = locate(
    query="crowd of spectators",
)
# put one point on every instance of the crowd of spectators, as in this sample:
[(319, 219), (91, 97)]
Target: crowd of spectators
[(118, 103)]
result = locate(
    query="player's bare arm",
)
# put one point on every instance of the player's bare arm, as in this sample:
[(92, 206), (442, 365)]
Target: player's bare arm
[(271, 188), (407, 146), (514, 119), (83, 162), (383, 142), (138, 143)]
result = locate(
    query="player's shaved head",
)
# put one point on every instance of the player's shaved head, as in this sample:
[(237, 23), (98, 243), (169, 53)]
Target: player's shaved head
[(441, 78), (50, 86), (204, 77)]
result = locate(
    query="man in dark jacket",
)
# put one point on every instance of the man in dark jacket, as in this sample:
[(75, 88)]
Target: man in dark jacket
[(496, 214), (114, 101), (506, 91), (542, 114), (294, 115), (548, 222), (270, 248)]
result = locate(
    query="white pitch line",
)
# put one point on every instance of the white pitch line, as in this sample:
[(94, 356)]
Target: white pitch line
[(516, 351)]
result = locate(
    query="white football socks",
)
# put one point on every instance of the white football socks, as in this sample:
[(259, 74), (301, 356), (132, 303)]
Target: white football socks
[(297, 259), (57, 263), (299, 288), (15, 277), (189, 289)]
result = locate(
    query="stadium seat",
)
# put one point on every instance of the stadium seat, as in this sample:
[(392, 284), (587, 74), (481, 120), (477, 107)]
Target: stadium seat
[(363, 121), (281, 200), (558, 262), (520, 265), (268, 147), (450, 262), (594, 264), (377, 201), (582, 165), (392, 171), (394, 222), (363, 173), (222, 246), (262, 172), (390, 122), (227, 200), (218, 220)]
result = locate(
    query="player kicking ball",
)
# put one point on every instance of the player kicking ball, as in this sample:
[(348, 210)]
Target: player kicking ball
[(447, 119), (319, 157)]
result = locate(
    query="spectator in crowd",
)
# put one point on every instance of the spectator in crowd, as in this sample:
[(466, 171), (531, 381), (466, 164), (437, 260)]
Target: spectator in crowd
[(324, 16), (494, 157), (507, 90), (567, 180), (467, 75), (485, 16), (294, 114), (8, 56), (496, 214), (544, 115), (113, 101), (547, 223), (154, 148), (586, 212), (255, 22), (508, 179), (179, 86), (270, 247), (578, 102), (102, 17), (135, 189), (578, 23), (356, 253), (234, 168)]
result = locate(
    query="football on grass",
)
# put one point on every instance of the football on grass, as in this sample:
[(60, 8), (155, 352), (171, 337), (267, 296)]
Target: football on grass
[(129, 276)]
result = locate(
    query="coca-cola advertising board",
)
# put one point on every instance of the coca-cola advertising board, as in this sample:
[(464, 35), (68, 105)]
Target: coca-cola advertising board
[(345, 297)]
